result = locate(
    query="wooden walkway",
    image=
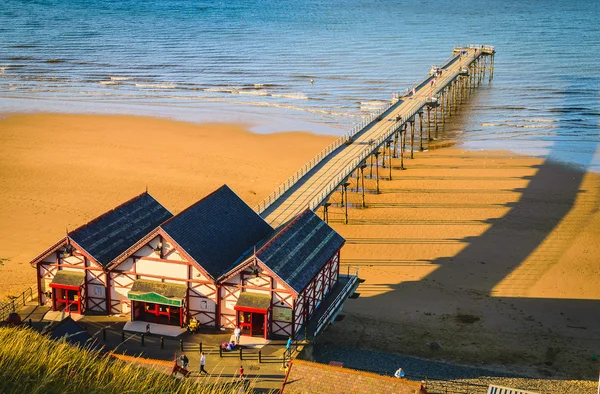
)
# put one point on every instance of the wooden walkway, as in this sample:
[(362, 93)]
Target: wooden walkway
[(312, 185)]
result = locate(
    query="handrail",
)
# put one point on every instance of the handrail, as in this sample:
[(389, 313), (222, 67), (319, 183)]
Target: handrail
[(17, 302), (321, 323), (291, 181)]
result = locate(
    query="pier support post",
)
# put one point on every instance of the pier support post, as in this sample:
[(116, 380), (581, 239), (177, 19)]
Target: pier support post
[(395, 145), (362, 177), (412, 138), (402, 140), (345, 186), (429, 123), (326, 212), (435, 120), (389, 144), (442, 107), (421, 131), (376, 154)]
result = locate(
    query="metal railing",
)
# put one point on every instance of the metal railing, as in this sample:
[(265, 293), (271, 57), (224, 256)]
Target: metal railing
[(292, 180), (331, 310), (346, 138), (16, 303)]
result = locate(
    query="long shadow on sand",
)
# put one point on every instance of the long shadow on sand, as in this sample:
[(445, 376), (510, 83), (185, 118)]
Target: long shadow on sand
[(466, 282)]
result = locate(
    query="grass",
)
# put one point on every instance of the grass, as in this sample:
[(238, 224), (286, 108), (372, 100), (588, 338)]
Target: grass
[(32, 363)]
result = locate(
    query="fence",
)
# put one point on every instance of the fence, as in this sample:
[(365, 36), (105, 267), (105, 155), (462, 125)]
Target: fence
[(17, 302)]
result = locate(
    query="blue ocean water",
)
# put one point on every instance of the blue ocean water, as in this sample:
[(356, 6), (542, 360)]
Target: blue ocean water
[(319, 65)]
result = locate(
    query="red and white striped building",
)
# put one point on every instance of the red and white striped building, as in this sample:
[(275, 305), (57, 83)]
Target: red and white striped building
[(217, 261)]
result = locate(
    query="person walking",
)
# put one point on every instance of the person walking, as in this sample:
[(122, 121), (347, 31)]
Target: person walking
[(238, 334), (288, 346), (203, 363), (241, 372)]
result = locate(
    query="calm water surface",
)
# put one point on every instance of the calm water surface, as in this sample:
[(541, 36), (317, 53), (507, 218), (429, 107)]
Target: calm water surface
[(254, 61)]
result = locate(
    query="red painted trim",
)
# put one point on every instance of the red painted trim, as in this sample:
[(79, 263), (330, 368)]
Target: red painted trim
[(253, 310), (39, 282), (108, 293), (218, 307), (57, 286), (85, 282), (48, 251)]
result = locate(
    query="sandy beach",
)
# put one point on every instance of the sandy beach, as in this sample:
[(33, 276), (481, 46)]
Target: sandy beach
[(60, 171), (483, 257)]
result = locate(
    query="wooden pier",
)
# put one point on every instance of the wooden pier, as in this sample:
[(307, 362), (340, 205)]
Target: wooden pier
[(385, 135)]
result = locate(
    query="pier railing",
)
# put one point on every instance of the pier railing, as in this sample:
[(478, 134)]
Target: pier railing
[(347, 138), (291, 181)]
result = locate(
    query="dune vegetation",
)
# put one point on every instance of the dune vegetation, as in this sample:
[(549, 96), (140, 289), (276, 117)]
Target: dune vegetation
[(32, 363)]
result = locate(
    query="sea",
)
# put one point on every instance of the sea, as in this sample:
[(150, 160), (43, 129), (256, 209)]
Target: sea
[(314, 65)]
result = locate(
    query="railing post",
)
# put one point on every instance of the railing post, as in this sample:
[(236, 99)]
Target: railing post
[(162, 342), (200, 348), (122, 336), (241, 357), (259, 357), (103, 334), (181, 344), (220, 351), (142, 339)]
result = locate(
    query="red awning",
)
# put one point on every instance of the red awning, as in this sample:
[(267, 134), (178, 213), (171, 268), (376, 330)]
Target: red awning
[(253, 302)]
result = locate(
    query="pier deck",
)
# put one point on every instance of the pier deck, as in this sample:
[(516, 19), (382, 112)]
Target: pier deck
[(315, 182)]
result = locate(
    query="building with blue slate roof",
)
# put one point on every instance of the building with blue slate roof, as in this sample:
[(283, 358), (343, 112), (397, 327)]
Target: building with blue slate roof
[(217, 261), (71, 274)]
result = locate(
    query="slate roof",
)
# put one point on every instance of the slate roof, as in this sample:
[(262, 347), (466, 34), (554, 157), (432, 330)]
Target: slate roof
[(301, 249), (217, 230), (73, 334), (254, 300), (68, 278), (109, 235)]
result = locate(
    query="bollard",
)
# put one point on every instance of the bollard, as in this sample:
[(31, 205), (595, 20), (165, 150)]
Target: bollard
[(142, 339), (241, 354), (220, 351), (122, 336), (200, 348), (259, 357), (181, 344), (30, 323), (104, 334), (162, 342)]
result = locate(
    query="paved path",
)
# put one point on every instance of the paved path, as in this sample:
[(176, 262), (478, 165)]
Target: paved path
[(315, 186)]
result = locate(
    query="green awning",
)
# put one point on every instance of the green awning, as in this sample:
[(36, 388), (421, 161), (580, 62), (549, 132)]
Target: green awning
[(253, 302), (157, 292), (68, 278)]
